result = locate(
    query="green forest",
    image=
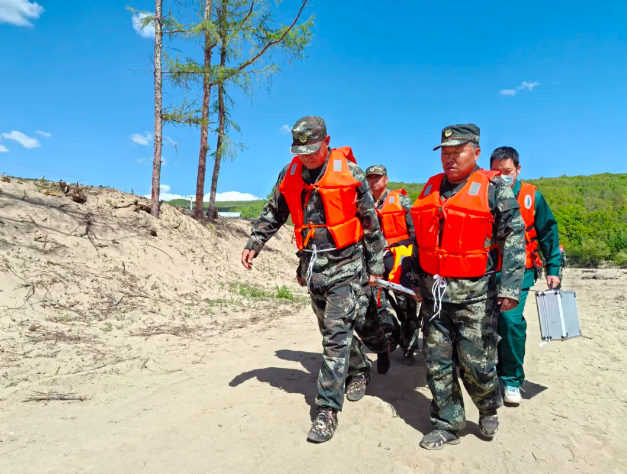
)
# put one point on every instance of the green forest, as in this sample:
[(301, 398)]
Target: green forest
[(591, 212)]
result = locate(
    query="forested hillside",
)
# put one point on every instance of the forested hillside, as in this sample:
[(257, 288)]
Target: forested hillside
[(591, 212)]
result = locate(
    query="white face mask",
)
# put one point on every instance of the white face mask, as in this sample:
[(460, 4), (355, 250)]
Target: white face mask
[(508, 179)]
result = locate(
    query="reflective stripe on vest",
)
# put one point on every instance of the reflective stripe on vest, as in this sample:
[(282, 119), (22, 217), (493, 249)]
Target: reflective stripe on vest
[(527, 202), (338, 190), (452, 234), (392, 218)]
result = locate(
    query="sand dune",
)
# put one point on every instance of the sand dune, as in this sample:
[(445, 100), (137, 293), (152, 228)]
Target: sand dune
[(190, 364)]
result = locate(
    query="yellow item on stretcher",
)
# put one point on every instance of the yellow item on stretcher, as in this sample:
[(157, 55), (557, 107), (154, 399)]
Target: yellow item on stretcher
[(399, 252)]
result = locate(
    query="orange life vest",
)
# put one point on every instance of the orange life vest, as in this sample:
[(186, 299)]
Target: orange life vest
[(392, 218), (338, 190), (452, 233), (527, 201)]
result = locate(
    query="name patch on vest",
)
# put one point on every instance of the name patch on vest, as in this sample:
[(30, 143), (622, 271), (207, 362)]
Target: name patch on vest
[(427, 191), (528, 201), (294, 166), (392, 199), (474, 189), (337, 165)]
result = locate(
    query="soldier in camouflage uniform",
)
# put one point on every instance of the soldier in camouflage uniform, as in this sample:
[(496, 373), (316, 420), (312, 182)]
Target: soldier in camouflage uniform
[(464, 327), (336, 277), (405, 307)]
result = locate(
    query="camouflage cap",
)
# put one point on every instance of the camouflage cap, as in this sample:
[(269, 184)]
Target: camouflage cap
[(455, 135), (377, 169), (307, 135)]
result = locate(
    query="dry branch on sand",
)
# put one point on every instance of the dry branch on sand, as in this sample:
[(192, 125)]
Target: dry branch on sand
[(179, 331), (46, 397), (58, 336)]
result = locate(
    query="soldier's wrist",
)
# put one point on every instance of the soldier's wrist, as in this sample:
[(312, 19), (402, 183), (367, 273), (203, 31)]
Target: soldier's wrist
[(253, 244), (552, 271)]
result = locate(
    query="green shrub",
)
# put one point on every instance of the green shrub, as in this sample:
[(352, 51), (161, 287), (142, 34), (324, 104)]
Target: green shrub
[(589, 253), (620, 259), (284, 292), (250, 291)]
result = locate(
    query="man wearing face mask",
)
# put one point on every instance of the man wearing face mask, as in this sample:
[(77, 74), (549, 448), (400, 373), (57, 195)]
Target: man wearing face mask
[(468, 227), (340, 246), (540, 235)]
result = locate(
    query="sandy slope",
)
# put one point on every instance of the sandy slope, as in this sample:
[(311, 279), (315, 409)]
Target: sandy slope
[(232, 392)]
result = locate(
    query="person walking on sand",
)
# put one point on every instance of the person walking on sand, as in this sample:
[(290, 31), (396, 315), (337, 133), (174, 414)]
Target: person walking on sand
[(468, 227), (340, 246)]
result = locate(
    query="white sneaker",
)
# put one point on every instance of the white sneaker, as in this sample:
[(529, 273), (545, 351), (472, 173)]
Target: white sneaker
[(512, 395)]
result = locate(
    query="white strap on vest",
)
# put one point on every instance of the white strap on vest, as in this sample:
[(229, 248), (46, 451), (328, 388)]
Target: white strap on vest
[(437, 292), (314, 256)]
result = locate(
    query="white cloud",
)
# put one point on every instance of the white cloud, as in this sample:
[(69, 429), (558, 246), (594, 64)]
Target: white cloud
[(163, 162), (140, 160), (285, 129), (43, 134), (524, 86), (528, 85), (140, 139), (232, 196), (24, 140), (19, 12), (166, 195), (145, 32), (3, 149)]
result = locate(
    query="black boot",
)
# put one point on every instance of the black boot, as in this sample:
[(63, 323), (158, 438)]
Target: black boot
[(409, 358), (383, 361)]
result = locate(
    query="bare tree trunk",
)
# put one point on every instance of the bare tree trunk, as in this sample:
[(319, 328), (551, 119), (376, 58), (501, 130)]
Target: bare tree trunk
[(204, 128), (221, 118), (156, 161)]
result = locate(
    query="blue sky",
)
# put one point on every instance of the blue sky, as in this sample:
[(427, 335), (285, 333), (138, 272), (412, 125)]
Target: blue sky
[(545, 77)]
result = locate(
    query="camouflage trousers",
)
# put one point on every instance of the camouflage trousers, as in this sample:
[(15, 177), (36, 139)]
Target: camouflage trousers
[(406, 309), (343, 355), (467, 333), (381, 329)]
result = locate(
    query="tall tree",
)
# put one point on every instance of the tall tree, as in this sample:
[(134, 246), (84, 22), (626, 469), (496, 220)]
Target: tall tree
[(223, 35), (157, 21), (209, 44), (247, 34), (156, 160), (243, 23)]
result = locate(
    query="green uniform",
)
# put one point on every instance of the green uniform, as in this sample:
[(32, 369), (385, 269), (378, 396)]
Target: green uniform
[(406, 308), (466, 327), (512, 326), (338, 278)]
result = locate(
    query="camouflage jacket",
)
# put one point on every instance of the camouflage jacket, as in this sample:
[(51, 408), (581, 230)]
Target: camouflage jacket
[(508, 233), (329, 266), (406, 203)]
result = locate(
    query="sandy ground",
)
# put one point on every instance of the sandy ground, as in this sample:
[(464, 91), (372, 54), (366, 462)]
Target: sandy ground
[(185, 369)]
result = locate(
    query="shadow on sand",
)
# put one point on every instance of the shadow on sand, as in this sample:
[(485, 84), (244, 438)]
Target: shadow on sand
[(396, 388)]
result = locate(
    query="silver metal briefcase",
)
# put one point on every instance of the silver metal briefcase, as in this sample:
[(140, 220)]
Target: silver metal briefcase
[(557, 311)]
